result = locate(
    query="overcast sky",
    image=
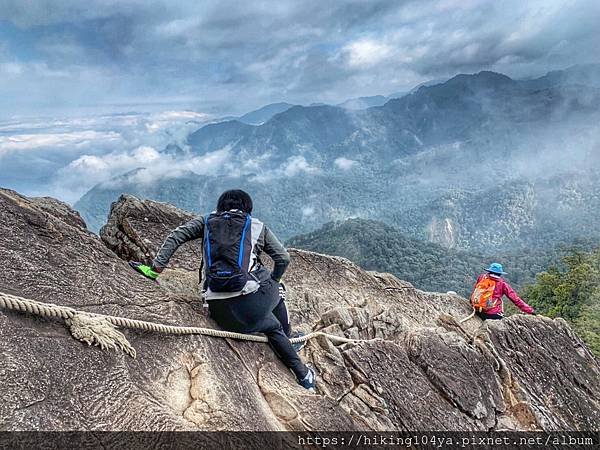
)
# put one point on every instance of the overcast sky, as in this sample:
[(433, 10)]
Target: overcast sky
[(73, 56)]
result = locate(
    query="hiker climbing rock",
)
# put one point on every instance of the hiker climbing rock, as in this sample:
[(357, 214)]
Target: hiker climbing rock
[(490, 287), (242, 294)]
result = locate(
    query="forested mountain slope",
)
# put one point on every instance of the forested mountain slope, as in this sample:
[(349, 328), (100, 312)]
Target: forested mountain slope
[(481, 163), (376, 246)]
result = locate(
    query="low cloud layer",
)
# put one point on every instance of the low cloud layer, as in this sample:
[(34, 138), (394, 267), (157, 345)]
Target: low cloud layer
[(144, 69), (344, 163), (24, 142), (155, 166), (228, 57), (66, 157)]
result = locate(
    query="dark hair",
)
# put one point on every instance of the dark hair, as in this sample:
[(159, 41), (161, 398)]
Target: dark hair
[(235, 199)]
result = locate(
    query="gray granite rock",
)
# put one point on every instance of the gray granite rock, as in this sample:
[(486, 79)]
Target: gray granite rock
[(421, 370)]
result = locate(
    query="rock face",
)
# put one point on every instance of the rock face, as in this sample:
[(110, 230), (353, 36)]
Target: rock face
[(419, 370)]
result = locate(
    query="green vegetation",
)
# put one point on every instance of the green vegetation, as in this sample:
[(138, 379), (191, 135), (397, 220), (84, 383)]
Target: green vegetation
[(561, 282), (572, 291), (415, 163), (376, 246)]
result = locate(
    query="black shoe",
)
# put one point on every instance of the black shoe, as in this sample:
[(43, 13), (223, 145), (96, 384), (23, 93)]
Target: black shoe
[(309, 381), (298, 345)]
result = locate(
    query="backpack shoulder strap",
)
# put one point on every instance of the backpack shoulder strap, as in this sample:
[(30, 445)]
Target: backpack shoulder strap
[(245, 231), (205, 248)]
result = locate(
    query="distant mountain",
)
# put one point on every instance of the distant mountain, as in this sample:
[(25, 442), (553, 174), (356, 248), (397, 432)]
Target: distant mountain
[(380, 100), (398, 94), (376, 246), (218, 135), (264, 114), (363, 102), (420, 85), (289, 204), (559, 282), (517, 214), (479, 162), (582, 74), (183, 189), (466, 108)]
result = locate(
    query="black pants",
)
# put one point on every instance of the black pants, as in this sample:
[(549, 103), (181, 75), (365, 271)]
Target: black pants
[(486, 316), (260, 312)]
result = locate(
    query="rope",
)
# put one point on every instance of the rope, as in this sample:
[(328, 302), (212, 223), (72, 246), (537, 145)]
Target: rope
[(100, 329), (468, 317)]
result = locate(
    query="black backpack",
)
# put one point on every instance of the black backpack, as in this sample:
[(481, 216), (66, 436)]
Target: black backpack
[(227, 250)]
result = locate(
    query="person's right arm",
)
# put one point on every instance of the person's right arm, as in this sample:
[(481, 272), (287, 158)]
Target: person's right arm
[(194, 229)]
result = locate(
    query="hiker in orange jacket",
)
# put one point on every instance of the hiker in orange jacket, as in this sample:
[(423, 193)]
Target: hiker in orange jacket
[(495, 309)]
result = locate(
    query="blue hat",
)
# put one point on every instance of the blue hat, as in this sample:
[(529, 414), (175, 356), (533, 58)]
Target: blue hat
[(496, 268)]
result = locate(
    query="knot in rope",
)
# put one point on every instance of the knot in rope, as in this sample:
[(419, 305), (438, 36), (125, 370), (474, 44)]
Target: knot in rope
[(101, 330)]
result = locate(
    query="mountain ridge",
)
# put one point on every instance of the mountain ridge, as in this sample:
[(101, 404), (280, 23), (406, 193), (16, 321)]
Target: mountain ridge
[(396, 163), (429, 266), (265, 113), (458, 377)]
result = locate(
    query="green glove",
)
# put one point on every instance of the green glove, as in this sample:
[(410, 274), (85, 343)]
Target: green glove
[(145, 270)]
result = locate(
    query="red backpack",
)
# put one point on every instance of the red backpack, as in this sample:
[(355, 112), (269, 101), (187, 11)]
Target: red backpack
[(482, 296)]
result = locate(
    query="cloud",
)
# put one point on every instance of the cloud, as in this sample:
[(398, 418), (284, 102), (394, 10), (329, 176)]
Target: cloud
[(90, 165), (163, 120), (296, 165), (153, 164), (64, 157), (20, 142), (222, 56), (344, 163), (161, 61), (366, 52), (11, 69), (107, 131), (308, 211)]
